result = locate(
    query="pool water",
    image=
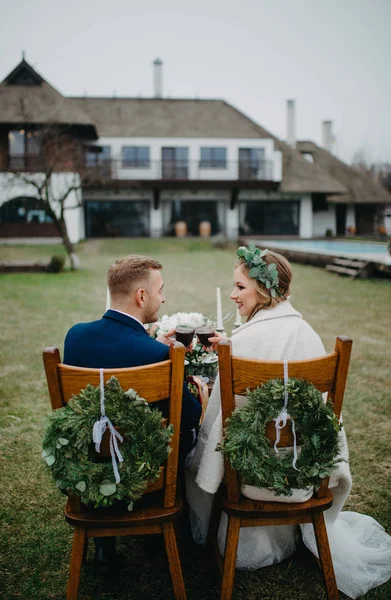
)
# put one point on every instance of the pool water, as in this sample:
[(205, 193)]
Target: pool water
[(331, 246)]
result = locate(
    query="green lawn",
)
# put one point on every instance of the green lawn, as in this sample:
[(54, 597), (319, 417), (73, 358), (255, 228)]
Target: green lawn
[(38, 309)]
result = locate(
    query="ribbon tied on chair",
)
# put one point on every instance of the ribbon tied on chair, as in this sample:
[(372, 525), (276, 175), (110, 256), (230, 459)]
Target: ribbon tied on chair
[(100, 427), (281, 419)]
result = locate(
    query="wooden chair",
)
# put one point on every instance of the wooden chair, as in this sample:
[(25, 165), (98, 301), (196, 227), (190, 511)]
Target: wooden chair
[(328, 374), (153, 382)]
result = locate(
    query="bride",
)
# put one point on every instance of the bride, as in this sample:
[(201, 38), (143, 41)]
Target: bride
[(274, 330)]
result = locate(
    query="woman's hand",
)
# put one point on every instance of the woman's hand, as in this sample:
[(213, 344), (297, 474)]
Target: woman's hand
[(166, 338), (216, 339)]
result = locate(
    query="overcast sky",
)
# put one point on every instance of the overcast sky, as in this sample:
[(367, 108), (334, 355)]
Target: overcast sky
[(331, 56)]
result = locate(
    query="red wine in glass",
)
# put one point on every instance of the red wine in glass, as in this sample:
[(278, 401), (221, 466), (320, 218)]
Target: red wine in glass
[(184, 335), (203, 333)]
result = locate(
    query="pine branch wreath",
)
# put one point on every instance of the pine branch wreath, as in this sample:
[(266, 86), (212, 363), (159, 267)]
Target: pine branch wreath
[(251, 453), (76, 468)]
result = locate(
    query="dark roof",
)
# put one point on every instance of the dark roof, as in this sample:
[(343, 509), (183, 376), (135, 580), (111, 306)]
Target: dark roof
[(37, 102), (360, 187)]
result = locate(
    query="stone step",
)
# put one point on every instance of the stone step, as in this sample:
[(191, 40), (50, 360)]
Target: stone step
[(350, 262), (342, 270)]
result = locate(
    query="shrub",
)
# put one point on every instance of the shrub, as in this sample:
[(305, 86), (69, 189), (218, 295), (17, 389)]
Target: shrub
[(56, 264)]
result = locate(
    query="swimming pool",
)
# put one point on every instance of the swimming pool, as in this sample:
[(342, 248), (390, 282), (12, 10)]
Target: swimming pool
[(299, 249), (331, 246)]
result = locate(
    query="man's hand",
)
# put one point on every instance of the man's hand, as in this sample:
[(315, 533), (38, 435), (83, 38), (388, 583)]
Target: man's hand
[(166, 338)]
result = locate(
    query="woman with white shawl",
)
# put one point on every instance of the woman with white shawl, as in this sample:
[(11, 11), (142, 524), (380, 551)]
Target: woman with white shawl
[(274, 330)]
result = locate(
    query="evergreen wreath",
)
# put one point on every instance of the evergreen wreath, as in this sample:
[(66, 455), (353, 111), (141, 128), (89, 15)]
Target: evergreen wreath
[(251, 453), (76, 468)]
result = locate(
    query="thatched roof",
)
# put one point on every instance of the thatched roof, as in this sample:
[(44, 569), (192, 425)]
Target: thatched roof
[(157, 117), (299, 176), (162, 117), (361, 188), (37, 102)]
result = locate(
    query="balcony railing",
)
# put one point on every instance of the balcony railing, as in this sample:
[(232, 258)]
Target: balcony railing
[(26, 162), (169, 170), (184, 170)]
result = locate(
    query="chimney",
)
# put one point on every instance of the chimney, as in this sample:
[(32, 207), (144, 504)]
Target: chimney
[(157, 77), (328, 137), (291, 123)]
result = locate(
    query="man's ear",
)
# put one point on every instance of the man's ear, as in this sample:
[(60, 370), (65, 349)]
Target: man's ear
[(140, 297)]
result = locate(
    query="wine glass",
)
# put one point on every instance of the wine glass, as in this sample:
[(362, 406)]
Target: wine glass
[(203, 333), (184, 335)]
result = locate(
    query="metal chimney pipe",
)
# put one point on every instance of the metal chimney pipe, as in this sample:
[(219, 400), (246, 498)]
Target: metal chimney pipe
[(157, 77), (291, 123), (328, 137)]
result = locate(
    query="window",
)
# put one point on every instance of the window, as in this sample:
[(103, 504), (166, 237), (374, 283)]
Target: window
[(215, 158), (135, 156), (24, 148), (251, 163), (175, 163), (97, 155)]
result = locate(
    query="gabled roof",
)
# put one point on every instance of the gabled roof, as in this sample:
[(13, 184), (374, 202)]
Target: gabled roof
[(38, 103), (360, 187), (24, 74)]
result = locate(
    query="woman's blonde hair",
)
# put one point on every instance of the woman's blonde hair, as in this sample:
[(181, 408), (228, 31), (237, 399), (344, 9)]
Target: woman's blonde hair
[(265, 299)]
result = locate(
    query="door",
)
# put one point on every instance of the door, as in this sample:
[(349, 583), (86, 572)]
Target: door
[(250, 163), (175, 163)]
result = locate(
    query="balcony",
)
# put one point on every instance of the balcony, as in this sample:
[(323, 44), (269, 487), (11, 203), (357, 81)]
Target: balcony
[(30, 163), (183, 170), (157, 173)]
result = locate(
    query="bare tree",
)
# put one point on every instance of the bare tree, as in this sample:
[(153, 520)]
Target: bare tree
[(55, 176)]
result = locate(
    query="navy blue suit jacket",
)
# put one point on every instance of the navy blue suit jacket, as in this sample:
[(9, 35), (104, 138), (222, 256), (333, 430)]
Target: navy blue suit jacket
[(117, 341)]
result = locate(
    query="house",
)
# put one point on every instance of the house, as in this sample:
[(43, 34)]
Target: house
[(143, 164)]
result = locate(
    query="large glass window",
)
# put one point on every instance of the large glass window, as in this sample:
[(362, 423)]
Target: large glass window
[(269, 218), (23, 210), (213, 158), (135, 156), (117, 218)]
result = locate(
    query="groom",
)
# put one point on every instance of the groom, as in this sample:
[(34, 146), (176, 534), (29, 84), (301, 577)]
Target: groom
[(119, 339)]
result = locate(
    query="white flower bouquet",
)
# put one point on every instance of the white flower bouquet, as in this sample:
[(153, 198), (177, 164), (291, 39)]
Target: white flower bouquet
[(194, 359), (191, 319)]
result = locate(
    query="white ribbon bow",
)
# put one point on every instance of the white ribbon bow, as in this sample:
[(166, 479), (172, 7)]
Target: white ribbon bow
[(282, 418), (100, 427)]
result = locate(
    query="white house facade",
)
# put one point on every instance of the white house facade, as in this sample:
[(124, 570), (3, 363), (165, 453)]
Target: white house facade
[(151, 163)]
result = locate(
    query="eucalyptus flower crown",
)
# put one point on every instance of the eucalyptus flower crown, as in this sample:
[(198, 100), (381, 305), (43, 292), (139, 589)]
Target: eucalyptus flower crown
[(258, 268)]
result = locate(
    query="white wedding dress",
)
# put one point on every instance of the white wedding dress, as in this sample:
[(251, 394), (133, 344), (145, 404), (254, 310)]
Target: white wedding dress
[(360, 548)]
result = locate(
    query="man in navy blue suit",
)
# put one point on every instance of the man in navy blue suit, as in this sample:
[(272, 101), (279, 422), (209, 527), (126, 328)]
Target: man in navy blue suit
[(119, 339)]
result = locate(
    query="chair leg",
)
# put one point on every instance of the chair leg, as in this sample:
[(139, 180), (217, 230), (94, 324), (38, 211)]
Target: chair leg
[(326, 562), (174, 561), (79, 540), (231, 550)]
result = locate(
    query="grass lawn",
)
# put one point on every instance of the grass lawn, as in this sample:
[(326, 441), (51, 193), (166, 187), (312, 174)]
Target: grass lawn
[(38, 309)]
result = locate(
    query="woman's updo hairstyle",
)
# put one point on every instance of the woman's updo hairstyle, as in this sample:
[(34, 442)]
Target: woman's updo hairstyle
[(265, 298)]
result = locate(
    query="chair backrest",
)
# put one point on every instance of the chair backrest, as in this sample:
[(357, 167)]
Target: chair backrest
[(327, 373), (158, 381)]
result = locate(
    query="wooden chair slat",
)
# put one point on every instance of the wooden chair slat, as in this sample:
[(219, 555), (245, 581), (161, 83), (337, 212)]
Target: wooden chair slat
[(253, 373), (151, 382)]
